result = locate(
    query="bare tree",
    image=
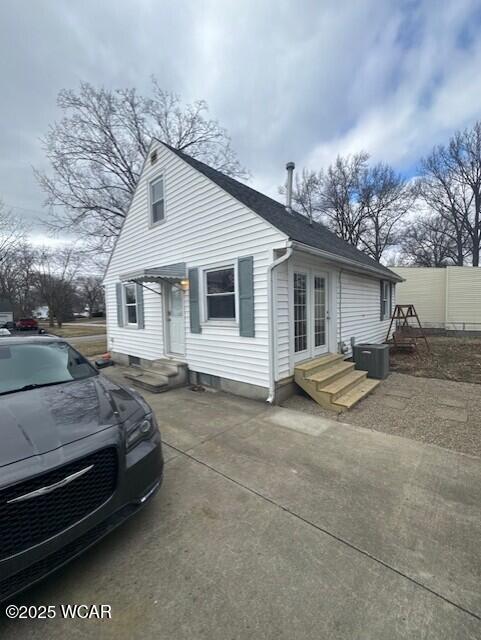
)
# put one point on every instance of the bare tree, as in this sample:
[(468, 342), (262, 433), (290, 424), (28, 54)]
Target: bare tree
[(18, 278), (306, 194), (96, 153), (365, 205), (91, 292), (384, 199), (12, 232), (451, 186), (340, 201), (425, 242), (55, 274), (449, 198), (463, 159)]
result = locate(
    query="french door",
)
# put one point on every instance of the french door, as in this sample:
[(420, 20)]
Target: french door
[(310, 299)]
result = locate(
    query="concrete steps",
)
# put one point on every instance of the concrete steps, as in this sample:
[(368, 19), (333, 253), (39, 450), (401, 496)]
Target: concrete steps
[(333, 382), (160, 376)]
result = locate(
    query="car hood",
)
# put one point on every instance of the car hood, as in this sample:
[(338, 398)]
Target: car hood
[(39, 420)]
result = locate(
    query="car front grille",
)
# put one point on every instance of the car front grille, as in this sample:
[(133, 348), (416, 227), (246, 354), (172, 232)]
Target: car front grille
[(23, 579), (29, 522)]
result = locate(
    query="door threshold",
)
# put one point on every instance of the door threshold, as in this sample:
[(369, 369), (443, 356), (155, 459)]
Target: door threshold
[(175, 356)]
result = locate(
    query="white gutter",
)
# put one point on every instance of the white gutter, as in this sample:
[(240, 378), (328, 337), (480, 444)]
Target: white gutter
[(272, 332), (337, 258)]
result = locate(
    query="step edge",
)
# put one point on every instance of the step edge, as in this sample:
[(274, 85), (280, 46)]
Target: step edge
[(358, 378), (315, 363), (361, 397), (344, 367)]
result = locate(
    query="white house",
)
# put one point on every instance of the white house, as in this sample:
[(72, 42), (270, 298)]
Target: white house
[(211, 273)]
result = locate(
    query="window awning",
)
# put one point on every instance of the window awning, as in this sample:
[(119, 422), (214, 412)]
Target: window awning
[(173, 273)]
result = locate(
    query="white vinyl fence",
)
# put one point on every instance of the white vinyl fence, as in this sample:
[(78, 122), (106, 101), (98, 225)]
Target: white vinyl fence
[(447, 298)]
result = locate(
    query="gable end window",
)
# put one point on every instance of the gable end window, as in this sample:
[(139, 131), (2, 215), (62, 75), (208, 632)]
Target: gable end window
[(220, 293), (157, 202), (130, 297)]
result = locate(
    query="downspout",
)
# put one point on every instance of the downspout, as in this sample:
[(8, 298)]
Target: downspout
[(272, 341), (339, 343)]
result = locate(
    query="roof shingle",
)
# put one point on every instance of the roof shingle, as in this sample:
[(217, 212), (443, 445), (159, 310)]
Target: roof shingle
[(295, 225)]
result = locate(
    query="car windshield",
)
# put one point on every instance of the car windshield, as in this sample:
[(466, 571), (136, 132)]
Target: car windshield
[(30, 365)]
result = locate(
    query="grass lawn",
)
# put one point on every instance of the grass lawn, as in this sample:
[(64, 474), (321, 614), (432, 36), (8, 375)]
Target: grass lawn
[(73, 331), (450, 359), (92, 348), (87, 320)]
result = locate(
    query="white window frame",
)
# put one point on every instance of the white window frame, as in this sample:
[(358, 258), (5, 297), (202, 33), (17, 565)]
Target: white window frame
[(126, 305), (385, 310), (205, 315), (158, 177)]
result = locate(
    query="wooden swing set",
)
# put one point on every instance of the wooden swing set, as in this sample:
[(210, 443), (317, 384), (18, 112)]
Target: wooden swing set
[(406, 335)]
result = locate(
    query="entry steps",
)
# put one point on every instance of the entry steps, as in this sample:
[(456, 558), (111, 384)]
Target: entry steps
[(333, 382), (161, 375)]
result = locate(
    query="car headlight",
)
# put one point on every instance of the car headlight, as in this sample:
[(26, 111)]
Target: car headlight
[(142, 430)]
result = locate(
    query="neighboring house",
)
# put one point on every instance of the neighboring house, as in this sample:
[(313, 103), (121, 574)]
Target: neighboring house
[(211, 272), (6, 312), (41, 312), (444, 297)]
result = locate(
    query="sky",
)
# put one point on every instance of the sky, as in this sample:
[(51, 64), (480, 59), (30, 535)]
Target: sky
[(300, 81)]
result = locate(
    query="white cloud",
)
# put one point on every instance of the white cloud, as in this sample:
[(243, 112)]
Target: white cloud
[(43, 240), (437, 91), (290, 81)]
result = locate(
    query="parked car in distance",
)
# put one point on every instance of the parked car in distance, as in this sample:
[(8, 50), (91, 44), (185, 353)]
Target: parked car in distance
[(79, 455), (25, 324), (10, 324)]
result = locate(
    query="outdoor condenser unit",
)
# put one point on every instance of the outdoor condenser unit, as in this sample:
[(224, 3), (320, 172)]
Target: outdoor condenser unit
[(373, 358)]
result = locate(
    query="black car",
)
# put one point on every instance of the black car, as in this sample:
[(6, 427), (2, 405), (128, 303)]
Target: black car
[(79, 454)]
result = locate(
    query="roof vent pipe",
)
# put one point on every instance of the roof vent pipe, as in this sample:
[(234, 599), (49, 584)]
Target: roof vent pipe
[(290, 166)]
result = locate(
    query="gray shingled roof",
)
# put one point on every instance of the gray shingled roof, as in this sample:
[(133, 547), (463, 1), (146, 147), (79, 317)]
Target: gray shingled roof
[(295, 225)]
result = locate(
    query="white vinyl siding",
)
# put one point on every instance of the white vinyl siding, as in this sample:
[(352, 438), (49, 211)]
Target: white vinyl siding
[(359, 309), (205, 227)]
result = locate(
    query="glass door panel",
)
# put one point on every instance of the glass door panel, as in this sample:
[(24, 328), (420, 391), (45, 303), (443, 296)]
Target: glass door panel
[(319, 311), (300, 312)]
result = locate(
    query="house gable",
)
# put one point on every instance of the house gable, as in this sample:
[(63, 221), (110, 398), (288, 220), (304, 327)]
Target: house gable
[(198, 214)]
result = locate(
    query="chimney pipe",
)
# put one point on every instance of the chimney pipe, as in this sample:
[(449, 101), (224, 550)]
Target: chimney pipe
[(290, 166)]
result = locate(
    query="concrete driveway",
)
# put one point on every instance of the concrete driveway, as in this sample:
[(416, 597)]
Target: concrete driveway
[(276, 524)]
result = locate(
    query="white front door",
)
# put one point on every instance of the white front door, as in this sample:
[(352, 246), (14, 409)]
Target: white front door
[(175, 321), (310, 299)]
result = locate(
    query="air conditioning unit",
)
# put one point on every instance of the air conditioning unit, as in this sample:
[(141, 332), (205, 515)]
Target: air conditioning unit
[(373, 358)]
